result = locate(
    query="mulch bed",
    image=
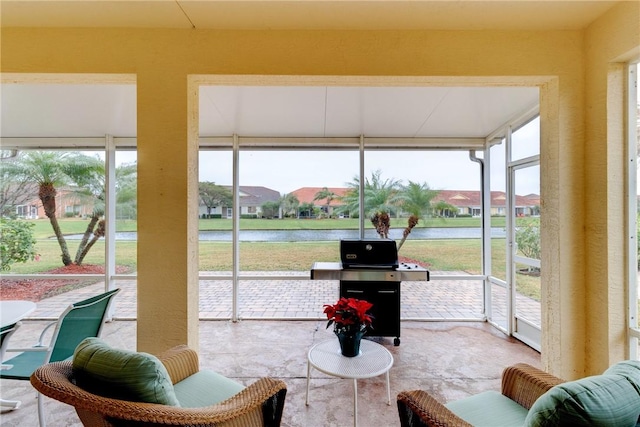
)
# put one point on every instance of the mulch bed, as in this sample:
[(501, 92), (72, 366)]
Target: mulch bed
[(404, 259), (38, 289)]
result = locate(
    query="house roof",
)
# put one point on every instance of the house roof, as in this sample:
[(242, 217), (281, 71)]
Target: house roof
[(255, 195), (458, 198), (307, 195), (465, 198)]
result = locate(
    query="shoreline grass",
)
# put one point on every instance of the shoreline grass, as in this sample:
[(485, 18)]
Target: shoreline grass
[(42, 227)]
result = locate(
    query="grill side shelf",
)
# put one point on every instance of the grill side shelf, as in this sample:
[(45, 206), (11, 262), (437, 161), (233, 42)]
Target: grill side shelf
[(334, 271)]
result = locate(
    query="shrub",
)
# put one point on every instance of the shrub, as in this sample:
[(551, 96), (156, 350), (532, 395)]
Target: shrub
[(17, 243), (528, 239)]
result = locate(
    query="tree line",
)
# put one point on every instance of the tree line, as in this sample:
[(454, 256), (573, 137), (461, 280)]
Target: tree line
[(380, 195)]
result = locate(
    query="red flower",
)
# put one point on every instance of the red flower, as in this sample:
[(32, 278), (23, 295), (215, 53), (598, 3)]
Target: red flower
[(349, 313)]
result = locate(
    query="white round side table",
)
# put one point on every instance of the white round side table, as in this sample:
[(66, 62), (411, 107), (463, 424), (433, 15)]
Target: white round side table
[(373, 360)]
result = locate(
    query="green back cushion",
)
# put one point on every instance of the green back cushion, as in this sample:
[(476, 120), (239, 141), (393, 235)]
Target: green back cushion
[(121, 374), (630, 369), (610, 399)]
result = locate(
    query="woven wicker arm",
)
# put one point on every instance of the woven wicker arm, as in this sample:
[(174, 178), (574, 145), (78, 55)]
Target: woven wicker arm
[(524, 384), (259, 404), (417, 408), (521, 383)]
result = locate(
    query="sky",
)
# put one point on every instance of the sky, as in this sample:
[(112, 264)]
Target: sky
[(286, 171)]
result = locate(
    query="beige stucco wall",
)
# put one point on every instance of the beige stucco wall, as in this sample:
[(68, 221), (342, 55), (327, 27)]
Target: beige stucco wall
[(610, 43), (556, 61)]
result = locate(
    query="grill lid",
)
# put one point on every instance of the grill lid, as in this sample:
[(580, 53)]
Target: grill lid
[(369, 253)]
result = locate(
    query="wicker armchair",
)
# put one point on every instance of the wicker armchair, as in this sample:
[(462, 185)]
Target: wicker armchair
[(521, 383), (259, 404)]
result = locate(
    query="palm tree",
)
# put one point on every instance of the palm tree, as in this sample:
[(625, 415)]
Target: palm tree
[(325, 194), (127, 190), (92, 188), (416, 198), (380, 195), (50, 170)]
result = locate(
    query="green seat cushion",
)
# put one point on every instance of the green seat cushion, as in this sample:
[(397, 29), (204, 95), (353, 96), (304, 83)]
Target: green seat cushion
[(205, 388), (599, 400), (122, 374), (23, 365), (489, 408)]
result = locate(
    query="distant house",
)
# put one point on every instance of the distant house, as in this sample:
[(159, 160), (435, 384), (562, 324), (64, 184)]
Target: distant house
[(251, 200), (306, 195), (68, 204), (469, 203), (463, 202)]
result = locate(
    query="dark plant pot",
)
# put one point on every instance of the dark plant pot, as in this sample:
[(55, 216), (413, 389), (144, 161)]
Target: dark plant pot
[(350, 342)]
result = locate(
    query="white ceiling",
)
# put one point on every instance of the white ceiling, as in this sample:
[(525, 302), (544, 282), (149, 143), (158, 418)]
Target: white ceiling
[(56, 110), (39, 110), (296, 111)]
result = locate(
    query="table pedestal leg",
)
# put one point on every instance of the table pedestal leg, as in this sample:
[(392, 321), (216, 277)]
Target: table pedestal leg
[(306, 402), (355, 402), (388, 390)]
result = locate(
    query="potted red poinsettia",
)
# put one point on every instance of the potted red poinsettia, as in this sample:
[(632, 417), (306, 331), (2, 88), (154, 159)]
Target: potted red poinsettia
[(350, 320)]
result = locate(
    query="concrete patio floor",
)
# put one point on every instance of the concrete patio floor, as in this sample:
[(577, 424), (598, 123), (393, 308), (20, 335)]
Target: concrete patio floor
[(449, 359)]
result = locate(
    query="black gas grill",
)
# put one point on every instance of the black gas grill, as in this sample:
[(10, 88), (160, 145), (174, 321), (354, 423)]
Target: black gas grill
[(378, 254), (370, 270)]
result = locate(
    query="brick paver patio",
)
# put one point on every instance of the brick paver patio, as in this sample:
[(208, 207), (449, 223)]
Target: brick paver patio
[(300, 298)]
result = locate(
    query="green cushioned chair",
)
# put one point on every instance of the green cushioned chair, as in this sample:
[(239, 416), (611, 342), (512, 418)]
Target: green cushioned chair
[(80, 320), (5, 334), (531, 397), (113, 387)]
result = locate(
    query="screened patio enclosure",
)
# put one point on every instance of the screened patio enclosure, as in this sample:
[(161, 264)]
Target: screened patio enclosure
[(478, 144)]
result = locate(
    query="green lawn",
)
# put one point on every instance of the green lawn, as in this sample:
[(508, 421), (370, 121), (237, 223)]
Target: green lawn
[(458, 254), (43, 230), (337, 224), (441, 255)]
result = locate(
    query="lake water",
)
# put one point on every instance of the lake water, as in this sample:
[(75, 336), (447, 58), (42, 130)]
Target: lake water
[(327, 235)]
